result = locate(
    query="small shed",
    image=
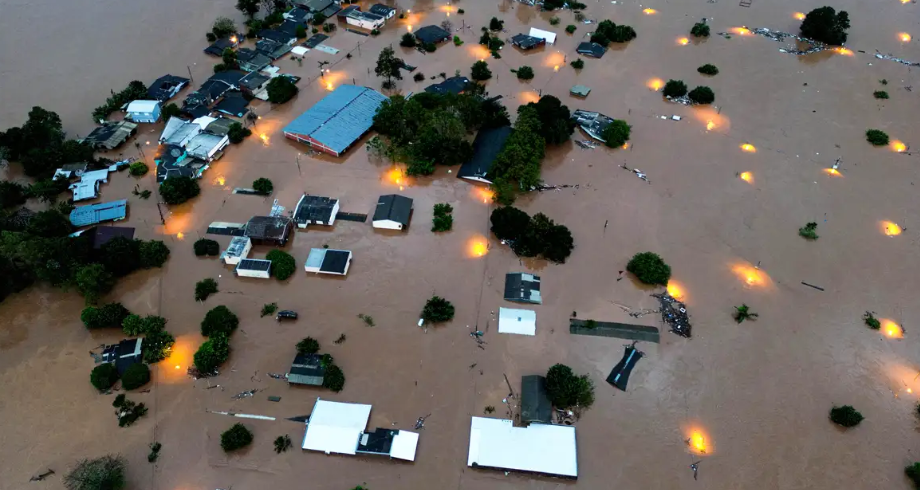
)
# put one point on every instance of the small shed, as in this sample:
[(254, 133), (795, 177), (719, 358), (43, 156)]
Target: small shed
[(382, 10), (399, 444), (144, 111), (526, 42), (513, 320), (254, 268), (393, 212), (315, 210), (328, 261), (522, 287), (593, 50), (580, 91), (307, 369), (549, 37), (535, 403), (238, 250), (432, 34), (335, 427), (123, 354)]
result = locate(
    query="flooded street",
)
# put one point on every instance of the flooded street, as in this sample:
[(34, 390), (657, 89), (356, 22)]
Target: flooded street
[(759, 391)]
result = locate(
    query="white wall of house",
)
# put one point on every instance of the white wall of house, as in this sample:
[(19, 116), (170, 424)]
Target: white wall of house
[(388, 224), (252, 273), (365, 24), (144, 111)]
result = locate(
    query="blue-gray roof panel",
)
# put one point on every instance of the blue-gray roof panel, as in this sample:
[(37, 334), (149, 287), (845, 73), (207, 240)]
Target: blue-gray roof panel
[(340, 118), (97, 213)]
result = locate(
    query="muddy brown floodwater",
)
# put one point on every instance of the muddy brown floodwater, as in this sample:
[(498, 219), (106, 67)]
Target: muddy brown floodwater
[(758, 393)]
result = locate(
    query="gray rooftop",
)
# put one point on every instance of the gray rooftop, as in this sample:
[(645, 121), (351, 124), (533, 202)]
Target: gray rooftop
[(393, 207), (523, 288), (255, 265), (97, 213), (340, 118)]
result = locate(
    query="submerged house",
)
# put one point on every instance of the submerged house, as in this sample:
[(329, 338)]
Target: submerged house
[(526, 42), (365, 20), (272, 49), (88, 186), (174, 161), (251, 60), (144, 111), (307, 369), (453, 85), (382, 10), (123, 354), (110, 135), (539, 448), (166, 87), (328, 261), (593, 50), (218, 47), (393, 212), (432, 34), (549, 37), (619, 375), (97, 213), (336, 427), (315, 210), (517, 321), (536, 406), (239, 249), (277, 36), (522, 287), (255, 85), (334, 123), (326, 7), (233, 104), (254, 268), (270, 230), (206, 146), (592, 123), (486, 147)]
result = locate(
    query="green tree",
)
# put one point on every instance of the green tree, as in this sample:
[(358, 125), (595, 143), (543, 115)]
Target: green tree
[(281, 89), (674, 88), (93, 281), (809, 231), (219, 320), (49, 224), (205, 288), (702, 95), (913, 473), (157, 344), (334, 378), (223, 27), (153, 253), (237, 133), (871, 322), (826, 25), (121, 256), (880, 94), (616, 133), (236, 437), (104, 376), (206, 246), (308, 345), (481, 71), (708, 69), (105, 473), (846, 416), (407, 41), (12, 194), (570, 28), (556, 124), (283, 264), (138, 169), (555, 241), (110, 315), (566, 389), (132, 325), (300, 32), (135, 376), (495, 24), (263, 186), (282, 443), (743, 313), (319, 18), (170, 110), (509, 223), (578, 64), (877, 137), (48, 190), (388, 66), (438, 309), (177, 190), (212, 353), (525, 73), (248, 7), (649, 268), (229, 58), (607, 32), (700, 29)]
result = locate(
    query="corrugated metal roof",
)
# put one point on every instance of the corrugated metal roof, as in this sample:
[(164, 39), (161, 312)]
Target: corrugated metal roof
[(340, 118), (143, 106), (96, 213)]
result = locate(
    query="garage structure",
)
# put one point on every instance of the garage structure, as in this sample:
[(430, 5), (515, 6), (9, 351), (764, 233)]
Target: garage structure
[(393, 212), (549, 37), (334, 123), (328, 261)]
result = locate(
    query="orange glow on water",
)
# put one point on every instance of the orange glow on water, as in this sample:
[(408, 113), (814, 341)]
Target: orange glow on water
[(749, 148), (409, 27), (397, 176), (264, 138), (478, 51), (799, 15), (710, 125), (676, 290), (833, 172), (898, 146), (220, 180), (750, 275), (747, 177), (711, 119), (483, 194), (529, 96), (556, 68), (655, 84), (180, 235), (891, 329), (905, 37), (180, 355), (741, 31), (477, 247), (844, 51), (625, 146), (890, 228), (683, 41), (650, 11), (698, 441)]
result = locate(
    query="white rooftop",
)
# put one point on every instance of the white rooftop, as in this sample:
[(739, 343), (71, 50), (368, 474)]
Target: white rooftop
[(513, 320), (143, 105), (299, 50), (404, 445), (336, 427), (549, 36), (540, 448)]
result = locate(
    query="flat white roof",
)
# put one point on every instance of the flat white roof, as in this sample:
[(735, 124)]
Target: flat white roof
[(404, 445), (143, 105), (299, 50), (549, 36), (513, 320), (540, 448), (336, 427)]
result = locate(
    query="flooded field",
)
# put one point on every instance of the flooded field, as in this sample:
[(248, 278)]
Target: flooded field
[(728, 188)]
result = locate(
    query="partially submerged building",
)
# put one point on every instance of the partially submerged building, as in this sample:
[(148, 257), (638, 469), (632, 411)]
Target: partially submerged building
[(297, 15), (526, 42), (328, 261), (580, 90), (336, 427), (144, 111), (88, 186), (593, 50), (123, 354), (486, 147), (100, 235), (536, 406), (432, 34), (522, 287), (255, 85), (538, 448), (237, 251), (517, 321), (174, 161), (453, 85), (251, 60), (217, 48), (382, 10), (549, 37), (365, 20), (178, 132), (592, 123), (166, 87), (206, 146), (334, 123), (315, 210), (393, 212), (92, 214), (272, 49), (307, 369), (110, 135), (233, 104), (271, 230), (326, 7), (277, 36), (254, 268)]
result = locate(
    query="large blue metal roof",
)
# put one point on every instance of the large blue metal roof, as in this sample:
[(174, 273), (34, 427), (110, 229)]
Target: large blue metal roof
[(97, 213), (340, 118)]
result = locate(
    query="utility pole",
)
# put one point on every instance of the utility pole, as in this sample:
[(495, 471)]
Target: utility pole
[(189, 68)]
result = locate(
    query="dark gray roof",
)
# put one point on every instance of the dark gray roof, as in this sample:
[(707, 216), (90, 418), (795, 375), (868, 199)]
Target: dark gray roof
[(314, 41), (97, 213), (298, 15), (234, 104), (340, 118), (100, 235), (380, 9), (220, 127), (275, 35), (453, 85), (255, 265), (307, 370), (274, 228), (522, 287), (314, 208), (335, 261), (230, 77), (535, 403), (393, 207), (254, 80), (378, 442), (217, 49), (313, 5), (432, 34), (111, 134), (347, 10), (524, 41), (487, 145), (289, 27), (165, 87), (252, 60), (593, 50)]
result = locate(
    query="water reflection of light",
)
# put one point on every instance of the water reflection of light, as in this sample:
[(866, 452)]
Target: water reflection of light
[(711, 118), (905, 37), (844, 51), (483, 194), (683, 41), (409, 27), (750, 275), (530, 96), (556, 68), (747, 177), (890, 228), (264, 138), (891, 329), (650, 11), (180, 357), (749, 148), (741, 31), (655, 84), (477, 247), (710, 125), (220, 180), (799, 15), (898, 146), (833, 172), (625, 146), (554, 59), (676, 290), (478, 51), (396, 175), (697, 440)]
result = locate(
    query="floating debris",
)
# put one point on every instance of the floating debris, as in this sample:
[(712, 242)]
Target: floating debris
[(892, 58), (245, 394), (674, 313), (637, 172), (277, 376), (683, 99), (586, 144)]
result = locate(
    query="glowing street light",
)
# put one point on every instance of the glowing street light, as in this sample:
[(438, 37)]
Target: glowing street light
[(676, 290), (710, 126), (898, 146), (799, 16), (655, 84), (683, 41), (749, 148), (650, 11), (891, 229), (905, 37), (747, 177)]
